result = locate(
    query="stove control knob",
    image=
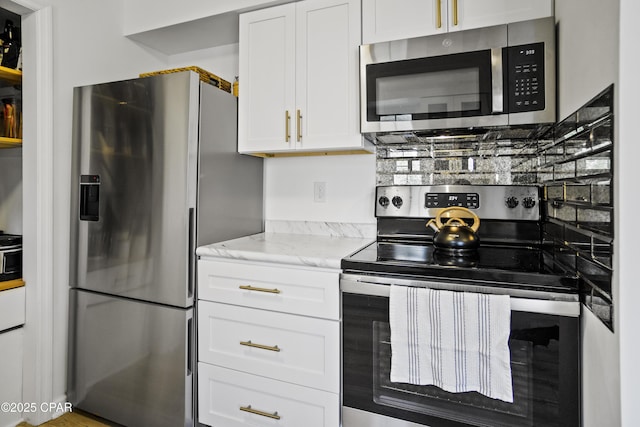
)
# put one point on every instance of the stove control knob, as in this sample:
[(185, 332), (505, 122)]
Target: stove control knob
[(528, 202), (397, 201), (512, 202), (384, 201)]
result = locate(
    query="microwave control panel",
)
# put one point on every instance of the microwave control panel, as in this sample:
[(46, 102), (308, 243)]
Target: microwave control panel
[(526, 77)]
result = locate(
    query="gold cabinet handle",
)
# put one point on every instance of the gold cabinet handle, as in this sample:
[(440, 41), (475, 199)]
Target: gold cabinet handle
[(249, 409), (438, 14), (260, 346), (299, 124), (287, 126), (253, 288), (455, 12)]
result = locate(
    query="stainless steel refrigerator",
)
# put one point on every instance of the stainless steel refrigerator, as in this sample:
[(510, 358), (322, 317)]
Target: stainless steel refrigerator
[(155, 174)]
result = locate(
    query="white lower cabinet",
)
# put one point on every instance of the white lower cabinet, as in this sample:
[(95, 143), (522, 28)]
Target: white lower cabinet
[(12, 308), (282, 288), (11, 346), (268, 344), (296, 349), (231, 398)]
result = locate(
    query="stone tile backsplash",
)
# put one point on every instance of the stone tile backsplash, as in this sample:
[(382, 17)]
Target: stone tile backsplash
[(463, 163)]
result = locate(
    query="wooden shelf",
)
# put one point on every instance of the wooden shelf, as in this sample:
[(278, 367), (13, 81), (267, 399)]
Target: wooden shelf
[(10, 75), (10, 284), (10, 142)]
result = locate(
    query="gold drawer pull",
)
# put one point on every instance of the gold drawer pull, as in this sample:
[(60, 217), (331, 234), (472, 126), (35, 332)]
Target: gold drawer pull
[(299, 125), (287, 126), (260, 346), (439, 14), (275, 415), (253, 288), (455, 12)]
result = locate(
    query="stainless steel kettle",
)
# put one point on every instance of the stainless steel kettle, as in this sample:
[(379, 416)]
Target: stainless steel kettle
[(455, 236)]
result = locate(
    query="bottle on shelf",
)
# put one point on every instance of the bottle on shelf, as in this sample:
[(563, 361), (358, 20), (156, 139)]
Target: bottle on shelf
[(10, 45), (11, 124), (235, 87)]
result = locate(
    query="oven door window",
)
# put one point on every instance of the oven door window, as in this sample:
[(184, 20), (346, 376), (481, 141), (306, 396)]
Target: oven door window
[(457, 85), (544, 363)]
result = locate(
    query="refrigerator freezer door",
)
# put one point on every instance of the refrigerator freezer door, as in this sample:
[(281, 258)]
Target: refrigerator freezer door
[(130, 361), (134, 187)]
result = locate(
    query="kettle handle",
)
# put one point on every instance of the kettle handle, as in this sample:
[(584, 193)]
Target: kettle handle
[(468, 214), (453, 220)]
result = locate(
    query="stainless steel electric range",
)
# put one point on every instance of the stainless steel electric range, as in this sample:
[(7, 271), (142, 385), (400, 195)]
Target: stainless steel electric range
[(511, 259)]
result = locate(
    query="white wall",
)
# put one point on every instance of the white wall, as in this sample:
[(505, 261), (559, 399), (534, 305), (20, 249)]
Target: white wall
[(144, 15), (587, 50), (588, 63), (350, 184), (628, 206), (221, 61)]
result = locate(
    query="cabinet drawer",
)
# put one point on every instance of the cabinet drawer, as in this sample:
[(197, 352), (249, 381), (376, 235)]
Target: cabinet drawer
[(223, 392), (12, 308), (310, 292), (285, 347)]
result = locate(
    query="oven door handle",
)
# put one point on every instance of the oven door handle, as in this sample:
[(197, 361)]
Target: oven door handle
[(557, 304)]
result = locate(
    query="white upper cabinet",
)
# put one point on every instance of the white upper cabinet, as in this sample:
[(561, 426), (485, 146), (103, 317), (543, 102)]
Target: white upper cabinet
[(384, 20), (267, 74), (484, 13), (299, 78)]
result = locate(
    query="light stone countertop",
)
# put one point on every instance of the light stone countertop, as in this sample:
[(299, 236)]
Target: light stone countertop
[(294, 249)]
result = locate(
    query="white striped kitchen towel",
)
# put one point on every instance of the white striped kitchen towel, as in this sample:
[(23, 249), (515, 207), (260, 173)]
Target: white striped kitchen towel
[(457, 341)]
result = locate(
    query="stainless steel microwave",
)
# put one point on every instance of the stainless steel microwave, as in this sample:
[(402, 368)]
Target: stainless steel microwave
[(488, 77)]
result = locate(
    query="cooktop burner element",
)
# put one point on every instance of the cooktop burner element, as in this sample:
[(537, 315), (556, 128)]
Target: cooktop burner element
[(507, 266)]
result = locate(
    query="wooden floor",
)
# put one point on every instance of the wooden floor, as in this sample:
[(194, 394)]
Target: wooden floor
[(72, 419)]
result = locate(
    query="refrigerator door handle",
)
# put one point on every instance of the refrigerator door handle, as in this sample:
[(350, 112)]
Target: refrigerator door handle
[(189, 347), (192, 250)]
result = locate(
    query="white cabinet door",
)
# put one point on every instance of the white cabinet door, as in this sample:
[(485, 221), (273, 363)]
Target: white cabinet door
[(485, 13), (384, 20), (230, 398), (296, 349), (327, 102), (11, 346), (267, 95), (12, 308), (299, 78)]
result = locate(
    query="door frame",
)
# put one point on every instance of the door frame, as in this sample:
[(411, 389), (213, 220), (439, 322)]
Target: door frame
[(37, 205)]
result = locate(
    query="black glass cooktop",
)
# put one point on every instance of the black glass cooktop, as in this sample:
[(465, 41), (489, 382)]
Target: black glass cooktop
[(524, 266)]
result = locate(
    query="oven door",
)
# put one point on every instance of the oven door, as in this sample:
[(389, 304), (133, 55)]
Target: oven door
[(545, 362)]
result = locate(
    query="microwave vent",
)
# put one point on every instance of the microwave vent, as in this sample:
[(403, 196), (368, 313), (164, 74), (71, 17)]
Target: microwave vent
[(510, 133)]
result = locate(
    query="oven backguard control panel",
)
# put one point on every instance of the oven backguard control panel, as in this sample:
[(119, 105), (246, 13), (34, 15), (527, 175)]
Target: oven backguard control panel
[(488, 202)]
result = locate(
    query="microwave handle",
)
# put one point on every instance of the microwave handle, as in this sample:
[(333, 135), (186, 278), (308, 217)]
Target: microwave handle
[(497, 81)]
